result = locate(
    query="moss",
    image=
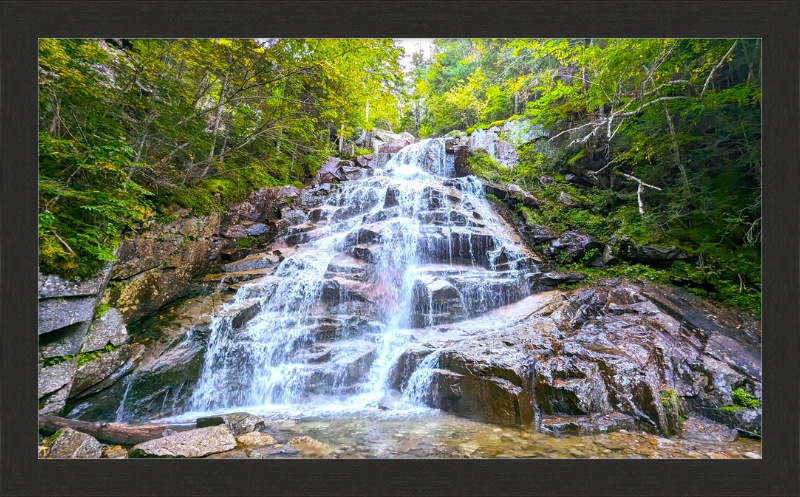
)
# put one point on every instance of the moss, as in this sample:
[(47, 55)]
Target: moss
[(101, 309), (82, 357), (744, 399)]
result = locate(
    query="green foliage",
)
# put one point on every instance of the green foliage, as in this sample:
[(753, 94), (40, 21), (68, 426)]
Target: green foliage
[(744, 399), (669, 399), (482, 165), (125, 133)]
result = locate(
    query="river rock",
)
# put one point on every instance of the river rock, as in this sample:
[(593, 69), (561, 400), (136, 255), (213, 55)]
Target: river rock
[(114, 452), (255, 439), (193, 443), (239, 423), (586, 425), (107, 329), (71, 444), (704, 430)]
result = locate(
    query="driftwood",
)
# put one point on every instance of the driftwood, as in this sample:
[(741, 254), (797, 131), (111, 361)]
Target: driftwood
[(111, 433)]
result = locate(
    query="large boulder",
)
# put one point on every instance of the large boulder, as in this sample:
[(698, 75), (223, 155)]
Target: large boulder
[(71, 444), (193, 443)]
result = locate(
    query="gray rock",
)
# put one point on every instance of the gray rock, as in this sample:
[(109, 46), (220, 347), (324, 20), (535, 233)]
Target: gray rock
[(195, 227), (71, 444), (704, 430), (98, 369), (239, 423), (572, 245), (108, 328), (54, 403), (52, 286), (59, 313), (193, 443), (54, 377), (255, 261), (555, 278), (63, 342)]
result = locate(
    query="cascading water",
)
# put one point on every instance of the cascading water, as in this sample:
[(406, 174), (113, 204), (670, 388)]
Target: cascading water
[(383, 260)]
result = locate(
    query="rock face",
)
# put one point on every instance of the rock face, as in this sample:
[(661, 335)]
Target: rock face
[(71, 444), (193, 443), (608, 357)]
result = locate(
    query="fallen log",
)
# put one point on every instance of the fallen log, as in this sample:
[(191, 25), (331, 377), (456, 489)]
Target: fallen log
[(111, 433)]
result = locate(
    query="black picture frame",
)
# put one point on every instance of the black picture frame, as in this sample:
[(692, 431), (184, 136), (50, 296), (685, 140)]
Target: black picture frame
[(776, 22)]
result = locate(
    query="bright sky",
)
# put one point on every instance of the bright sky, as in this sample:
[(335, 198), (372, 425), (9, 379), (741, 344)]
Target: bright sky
[(411, 45)]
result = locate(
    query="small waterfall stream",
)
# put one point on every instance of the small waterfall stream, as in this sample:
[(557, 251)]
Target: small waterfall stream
[(385, 259)]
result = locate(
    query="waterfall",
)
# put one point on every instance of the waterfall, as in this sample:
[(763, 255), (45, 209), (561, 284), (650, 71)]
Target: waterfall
[(384, 259)]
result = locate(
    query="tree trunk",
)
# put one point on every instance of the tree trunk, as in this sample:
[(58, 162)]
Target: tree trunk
[(111, 433)]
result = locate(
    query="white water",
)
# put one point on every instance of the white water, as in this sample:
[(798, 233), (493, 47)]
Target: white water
[(423, 243)]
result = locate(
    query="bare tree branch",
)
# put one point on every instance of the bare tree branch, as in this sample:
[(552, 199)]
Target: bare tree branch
[(719, 64)]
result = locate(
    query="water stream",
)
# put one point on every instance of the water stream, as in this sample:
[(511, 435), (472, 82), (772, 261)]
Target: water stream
[(386, 257)]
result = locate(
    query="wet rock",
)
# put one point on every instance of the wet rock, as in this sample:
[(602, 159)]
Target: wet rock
[(107, 329), (255, 261), (193, 443), (393, 146), (59, 313), (149, 291), (586, 425), (255, 439), (704, 430), (239, 423), (373, 161), (71, 444)]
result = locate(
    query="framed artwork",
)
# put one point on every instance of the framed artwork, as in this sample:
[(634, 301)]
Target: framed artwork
[(399, 248)]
